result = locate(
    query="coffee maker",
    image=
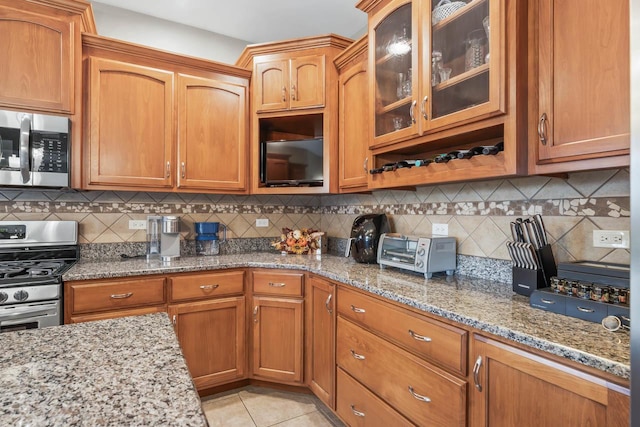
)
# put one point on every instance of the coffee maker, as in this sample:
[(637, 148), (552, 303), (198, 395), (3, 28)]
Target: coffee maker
[(163, 237), (365, 234)]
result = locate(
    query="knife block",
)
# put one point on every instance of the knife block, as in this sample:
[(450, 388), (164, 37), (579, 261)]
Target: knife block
[(525, 280)]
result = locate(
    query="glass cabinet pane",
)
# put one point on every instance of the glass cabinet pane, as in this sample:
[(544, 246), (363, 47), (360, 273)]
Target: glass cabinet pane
[(460, 55), (393, 74)]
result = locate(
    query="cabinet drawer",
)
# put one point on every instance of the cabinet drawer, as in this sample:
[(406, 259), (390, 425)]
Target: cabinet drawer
[(592, 311), (359, 407), (117, 294), (116, 314), (436, 341), (207, 285), (265, 282), (548, 301), (424, 394)]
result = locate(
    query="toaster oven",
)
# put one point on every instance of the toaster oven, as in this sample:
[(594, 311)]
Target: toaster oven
[(426, 255)]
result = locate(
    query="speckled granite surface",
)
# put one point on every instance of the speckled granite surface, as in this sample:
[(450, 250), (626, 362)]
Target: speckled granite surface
[(483, 304), (121, 372)]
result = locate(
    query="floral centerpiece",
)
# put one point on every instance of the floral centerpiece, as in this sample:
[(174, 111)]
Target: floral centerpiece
[(302, 241)]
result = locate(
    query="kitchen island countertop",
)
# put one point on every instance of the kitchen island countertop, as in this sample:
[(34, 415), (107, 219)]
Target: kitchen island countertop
[(482, 304), (127, 371)]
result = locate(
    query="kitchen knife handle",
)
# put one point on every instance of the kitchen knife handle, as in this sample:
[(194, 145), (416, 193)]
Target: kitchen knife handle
[(542, 129), (476, 373)]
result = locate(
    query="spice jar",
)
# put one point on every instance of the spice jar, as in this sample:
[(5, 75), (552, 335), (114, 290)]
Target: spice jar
[(623, 295), (584, 290)]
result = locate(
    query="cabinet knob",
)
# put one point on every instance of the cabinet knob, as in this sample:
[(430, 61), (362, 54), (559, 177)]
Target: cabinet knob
[(423, 107), (542, 129)]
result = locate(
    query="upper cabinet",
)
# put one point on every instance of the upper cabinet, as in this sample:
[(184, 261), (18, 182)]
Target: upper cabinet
[(579, 89), (289, 83), (41, 49), (294, 115), (447, 90), (161, 122)]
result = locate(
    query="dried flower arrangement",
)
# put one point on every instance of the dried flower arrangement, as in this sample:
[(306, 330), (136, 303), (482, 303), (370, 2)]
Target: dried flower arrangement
[(302, 241)]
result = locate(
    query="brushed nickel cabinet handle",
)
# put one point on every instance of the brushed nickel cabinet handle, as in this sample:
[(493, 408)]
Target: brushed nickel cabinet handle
[(255, 314), (364, 165), (209, 287), (277, 285), (356, 412), (357, 310), (423, 107), (413, 106), (326, 304), (476, 373), (284, 94), (542, 129), (184, 170), (419, 337), (293, 92), (121, 296), (418, 396), (174, 320), (168, 169), (585, 310), (357, 356)]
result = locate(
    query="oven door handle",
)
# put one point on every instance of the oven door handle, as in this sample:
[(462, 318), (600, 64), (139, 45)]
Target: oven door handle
[(25, 131), (26, 314)]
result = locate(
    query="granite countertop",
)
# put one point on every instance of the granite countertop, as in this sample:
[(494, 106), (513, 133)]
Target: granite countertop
[(127, 371), (482, 304)]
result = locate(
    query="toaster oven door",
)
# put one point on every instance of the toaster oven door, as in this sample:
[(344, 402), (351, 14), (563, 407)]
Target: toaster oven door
[(399, 251)]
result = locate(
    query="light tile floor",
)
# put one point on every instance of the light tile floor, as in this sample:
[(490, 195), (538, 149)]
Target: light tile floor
[(263, 407)]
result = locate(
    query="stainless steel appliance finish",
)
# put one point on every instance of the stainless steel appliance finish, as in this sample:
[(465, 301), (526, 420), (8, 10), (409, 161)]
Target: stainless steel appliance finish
[(33, 256), (34, 149), (426, 255)]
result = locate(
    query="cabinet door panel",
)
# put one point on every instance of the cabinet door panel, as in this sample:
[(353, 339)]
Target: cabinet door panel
[(583, 79), (277, 339), (130, 124), (271, 85), (212, 338), (212, 134), (307, 81), (37, 69), (354, 126)]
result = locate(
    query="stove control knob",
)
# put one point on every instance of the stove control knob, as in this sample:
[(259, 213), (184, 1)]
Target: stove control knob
[(3, 297), (21, 295)]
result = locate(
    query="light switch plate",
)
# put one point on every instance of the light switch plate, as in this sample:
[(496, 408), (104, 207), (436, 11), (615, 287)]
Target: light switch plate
[(440, 229)]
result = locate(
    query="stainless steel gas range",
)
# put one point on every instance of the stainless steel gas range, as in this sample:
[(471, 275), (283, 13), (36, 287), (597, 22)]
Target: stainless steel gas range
[(33, 257)]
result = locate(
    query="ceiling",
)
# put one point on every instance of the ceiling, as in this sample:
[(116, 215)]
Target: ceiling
[(256, 21)]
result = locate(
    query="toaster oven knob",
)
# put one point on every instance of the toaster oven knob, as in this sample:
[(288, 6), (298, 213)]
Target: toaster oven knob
[(21, 295), (419, 264), (421, 251), (3, 297)]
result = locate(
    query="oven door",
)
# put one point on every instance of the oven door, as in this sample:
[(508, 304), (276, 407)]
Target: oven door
[(30, 316)]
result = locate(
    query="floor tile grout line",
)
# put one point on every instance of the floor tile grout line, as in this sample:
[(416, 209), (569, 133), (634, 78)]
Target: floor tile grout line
[(255, 424)]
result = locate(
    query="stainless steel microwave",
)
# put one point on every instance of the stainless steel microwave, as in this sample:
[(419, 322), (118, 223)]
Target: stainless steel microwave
[(34, 150)]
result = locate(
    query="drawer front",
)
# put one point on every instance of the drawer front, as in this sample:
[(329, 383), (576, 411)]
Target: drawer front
[(277, 283), (206, 285), (359, 407), (424, 394), (117, 294), (555, 303), (446, 345), (116, 314), (587, 310)]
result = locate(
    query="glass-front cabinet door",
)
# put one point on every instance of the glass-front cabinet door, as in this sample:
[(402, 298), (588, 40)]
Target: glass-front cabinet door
[(465, 79), (394, 57)]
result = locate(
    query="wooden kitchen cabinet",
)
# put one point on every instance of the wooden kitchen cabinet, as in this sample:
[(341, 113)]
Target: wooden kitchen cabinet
[(212, 338), (41, 49), (579, 86), (515, 387), (86, 300), (294, 83), (353, 116), (320, 339), (161, 122)]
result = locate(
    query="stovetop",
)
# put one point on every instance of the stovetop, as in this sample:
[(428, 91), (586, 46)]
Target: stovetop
[(29, 269)]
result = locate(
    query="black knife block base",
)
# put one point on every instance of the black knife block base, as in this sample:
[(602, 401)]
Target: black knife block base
[(545, 255), (525, 280)]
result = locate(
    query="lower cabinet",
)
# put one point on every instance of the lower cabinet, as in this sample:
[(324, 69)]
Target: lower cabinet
[(277, 339), (513, 387), (320, 338), (212, 338)]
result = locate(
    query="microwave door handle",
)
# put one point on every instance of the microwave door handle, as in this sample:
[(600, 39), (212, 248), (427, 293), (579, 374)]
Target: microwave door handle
[(25, 130)]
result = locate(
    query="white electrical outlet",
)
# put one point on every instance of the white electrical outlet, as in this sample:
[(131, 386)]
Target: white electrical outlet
[(611, 239), (440, 229), (262, 222), (137, 224)]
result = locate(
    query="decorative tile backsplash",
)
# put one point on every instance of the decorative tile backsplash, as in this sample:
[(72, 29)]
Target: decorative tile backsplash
[(477, 213)]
